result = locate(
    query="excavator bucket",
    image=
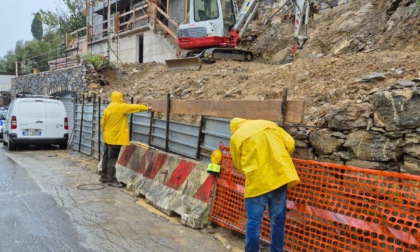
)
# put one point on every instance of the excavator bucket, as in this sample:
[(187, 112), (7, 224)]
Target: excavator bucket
[(183, 64)]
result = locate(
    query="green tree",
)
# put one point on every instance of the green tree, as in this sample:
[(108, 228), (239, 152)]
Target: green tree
[(66, 19), (7, 63), (36, 27)]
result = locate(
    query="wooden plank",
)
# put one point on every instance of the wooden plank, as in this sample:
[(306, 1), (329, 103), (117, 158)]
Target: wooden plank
[(89, 32), (63, 61), (63, 66), (246, 109), (67, 40), (268, 110), (158, 105), (295, 111), (117, 22)]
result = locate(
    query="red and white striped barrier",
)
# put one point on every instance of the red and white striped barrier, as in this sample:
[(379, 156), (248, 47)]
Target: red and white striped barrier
[(172, 183)]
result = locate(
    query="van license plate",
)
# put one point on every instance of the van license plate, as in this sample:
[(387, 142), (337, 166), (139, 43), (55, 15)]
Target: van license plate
[(33, 133)]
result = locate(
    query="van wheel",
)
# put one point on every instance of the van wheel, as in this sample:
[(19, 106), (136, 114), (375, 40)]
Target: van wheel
[(63, 146), (12, 147)]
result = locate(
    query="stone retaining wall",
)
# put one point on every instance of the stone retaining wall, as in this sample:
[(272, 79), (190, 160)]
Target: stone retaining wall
[(51, 82), (382, 131)]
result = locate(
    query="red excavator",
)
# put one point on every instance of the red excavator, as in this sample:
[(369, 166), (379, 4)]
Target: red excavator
[(215, 28)]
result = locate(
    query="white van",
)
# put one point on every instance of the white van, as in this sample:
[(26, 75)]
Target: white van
[(34, 120)]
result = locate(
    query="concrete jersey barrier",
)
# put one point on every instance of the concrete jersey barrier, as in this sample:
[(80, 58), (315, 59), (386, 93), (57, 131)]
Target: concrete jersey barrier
[(171, 183)]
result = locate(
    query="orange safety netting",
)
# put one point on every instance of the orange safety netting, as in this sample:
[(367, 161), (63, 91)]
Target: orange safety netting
[(334, 208)]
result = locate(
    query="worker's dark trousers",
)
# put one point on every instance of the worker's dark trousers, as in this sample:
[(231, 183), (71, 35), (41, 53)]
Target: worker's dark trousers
[(109, 159)]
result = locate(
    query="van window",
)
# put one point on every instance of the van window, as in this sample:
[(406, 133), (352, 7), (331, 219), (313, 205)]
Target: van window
[(32, 109)]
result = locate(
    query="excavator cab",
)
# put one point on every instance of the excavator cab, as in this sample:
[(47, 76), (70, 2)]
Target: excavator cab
[(209, 24)]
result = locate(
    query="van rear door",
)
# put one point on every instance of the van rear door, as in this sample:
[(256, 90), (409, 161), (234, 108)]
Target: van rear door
[(54, 117), (31, 119)]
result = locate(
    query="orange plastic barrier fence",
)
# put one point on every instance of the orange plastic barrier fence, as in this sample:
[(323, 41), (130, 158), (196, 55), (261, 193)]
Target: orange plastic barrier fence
[(334, 208)]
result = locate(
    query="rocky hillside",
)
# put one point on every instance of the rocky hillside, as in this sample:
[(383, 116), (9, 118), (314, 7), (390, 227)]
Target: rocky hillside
[(359, 26), (359, 74)]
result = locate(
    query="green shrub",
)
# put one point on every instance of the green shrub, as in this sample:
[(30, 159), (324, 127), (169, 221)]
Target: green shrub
[(97, 61)]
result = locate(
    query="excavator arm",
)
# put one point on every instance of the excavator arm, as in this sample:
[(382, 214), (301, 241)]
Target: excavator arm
[(301, 27), (250, 7), (301, 20), (244, 17)]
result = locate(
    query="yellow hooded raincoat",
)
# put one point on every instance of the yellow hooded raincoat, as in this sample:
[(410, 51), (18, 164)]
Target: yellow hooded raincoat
[(261, 150), (114, 122)]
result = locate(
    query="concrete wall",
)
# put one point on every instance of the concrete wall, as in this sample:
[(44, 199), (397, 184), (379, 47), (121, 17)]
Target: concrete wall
[(99, 49), (157, 48), (127, 48), (5, 82)]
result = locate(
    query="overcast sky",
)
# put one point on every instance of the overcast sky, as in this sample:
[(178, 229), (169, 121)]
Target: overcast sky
[(16, 19)]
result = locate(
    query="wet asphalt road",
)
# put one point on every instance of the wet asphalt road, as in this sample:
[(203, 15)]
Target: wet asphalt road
[(48, 203)]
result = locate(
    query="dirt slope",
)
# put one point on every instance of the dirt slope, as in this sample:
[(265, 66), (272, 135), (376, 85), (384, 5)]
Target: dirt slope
[(346, 43)]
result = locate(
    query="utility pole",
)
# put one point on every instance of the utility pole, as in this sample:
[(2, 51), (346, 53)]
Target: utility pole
[(109, 30), (88, 34)]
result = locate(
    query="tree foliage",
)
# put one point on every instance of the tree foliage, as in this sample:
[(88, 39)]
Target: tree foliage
[(7, 63), (66, 19), (36, 27), (49, 40), (31, 54)]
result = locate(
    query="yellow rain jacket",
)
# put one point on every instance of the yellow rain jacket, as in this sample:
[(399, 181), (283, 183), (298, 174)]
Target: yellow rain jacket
[(261, 150), (114, 122)]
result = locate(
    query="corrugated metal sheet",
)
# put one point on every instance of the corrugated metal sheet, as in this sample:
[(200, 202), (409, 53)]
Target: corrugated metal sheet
[(183, 139), (68, 102), (141, 126), (215, 131), (82, 139)]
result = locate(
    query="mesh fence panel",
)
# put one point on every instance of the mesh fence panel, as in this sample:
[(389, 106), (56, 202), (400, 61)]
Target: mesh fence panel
[(334, 208)]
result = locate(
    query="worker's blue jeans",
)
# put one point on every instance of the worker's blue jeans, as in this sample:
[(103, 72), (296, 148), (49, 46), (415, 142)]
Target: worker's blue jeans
[(276, 202)]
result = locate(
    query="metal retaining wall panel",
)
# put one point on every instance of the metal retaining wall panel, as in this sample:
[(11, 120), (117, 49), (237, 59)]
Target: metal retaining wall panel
[(215, 131)]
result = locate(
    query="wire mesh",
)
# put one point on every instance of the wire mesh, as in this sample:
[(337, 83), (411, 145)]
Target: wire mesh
[(334, 208)]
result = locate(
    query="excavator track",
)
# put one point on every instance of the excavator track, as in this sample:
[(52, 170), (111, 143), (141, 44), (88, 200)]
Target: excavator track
[(213, 54), (193, 61)]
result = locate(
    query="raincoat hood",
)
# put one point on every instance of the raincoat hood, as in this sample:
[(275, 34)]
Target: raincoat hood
[(117, 97), (235, 123)]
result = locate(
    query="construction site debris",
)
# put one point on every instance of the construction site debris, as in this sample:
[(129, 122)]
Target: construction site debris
[(361, 62)]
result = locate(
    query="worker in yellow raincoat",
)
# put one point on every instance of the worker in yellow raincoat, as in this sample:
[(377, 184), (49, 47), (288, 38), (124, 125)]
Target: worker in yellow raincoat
[(114, 124), (262, 151)]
